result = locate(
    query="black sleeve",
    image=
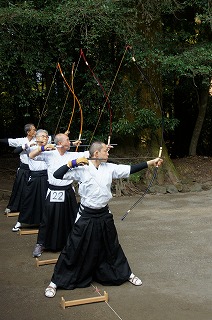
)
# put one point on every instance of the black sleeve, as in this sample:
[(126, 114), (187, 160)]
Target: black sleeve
[(18, 150), (5, 140), (59, 173), (138, 167)]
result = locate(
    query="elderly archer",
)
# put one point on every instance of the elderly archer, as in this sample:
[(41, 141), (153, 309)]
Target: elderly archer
[(60, 207), (22, 175), (92, 251)]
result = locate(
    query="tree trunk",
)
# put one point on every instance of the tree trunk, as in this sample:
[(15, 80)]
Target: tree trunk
[(167, 173), (145, 88), (202, 106)]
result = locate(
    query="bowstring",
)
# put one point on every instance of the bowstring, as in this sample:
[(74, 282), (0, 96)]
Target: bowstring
[(102, 88), (61, 114), (71, 90), (74, 104), (44, 107), (107, 98)]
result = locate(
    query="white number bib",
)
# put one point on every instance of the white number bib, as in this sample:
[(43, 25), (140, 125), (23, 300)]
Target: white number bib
[(57, 196)]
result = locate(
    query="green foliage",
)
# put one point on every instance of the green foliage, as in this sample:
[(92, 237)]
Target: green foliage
[(136, 177), (195, 61), (188, 42), (171, 40), (144, 119)]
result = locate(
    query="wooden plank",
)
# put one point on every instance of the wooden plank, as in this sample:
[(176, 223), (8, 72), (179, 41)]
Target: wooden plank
[(44, 262), (13, 214), (26, 232), (78, 302)]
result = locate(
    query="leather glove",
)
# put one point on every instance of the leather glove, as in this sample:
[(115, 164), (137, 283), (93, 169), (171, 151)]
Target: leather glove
[(78, 162)]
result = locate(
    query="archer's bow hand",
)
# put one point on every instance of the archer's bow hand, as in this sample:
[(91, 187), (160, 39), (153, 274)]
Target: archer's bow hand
[(109, 146), (76, 143), (78, 162), (49, 147), (155, 162)]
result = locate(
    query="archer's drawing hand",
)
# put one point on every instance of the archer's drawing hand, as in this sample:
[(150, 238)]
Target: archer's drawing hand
[(49, 147), (78, 162)]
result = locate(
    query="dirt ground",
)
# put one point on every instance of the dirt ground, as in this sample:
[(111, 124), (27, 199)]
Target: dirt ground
[(168, 242)]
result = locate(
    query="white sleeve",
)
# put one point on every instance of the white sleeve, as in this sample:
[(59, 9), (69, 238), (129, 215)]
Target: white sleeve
[(16, 142), (74, 174), (120, 170), (85, 154)]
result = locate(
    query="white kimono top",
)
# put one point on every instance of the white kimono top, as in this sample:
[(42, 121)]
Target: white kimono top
[(95, 184), (54, 160), (17, 142), (36, 165)]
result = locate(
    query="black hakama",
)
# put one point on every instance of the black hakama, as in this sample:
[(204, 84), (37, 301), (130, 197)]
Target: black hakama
[(19, 187), (58, 219), (92, 253), (34, 199)]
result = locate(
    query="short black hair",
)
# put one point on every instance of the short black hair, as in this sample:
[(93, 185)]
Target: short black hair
[(96, 145)]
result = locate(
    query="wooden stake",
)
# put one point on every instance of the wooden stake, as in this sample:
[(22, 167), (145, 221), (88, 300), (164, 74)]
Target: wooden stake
[(78, 302), (24, 232), (44, 262), (13, 214)]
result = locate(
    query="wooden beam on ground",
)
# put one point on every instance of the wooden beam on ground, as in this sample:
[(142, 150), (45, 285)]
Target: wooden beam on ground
[(78, 302), (44, 262), (13, 214), (25, 232)]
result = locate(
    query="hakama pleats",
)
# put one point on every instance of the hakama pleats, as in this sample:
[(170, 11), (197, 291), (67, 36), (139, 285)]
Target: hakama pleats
[(58, 219), (92, 253), (19, 187), (34, 200)]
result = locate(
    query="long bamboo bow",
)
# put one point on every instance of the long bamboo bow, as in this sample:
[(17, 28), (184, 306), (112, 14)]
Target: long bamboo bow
[(107, 101), (75, 99)]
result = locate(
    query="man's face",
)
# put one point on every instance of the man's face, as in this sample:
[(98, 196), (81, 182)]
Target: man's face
[(65, 142), (104, 153), (42, 139), (32, 132)]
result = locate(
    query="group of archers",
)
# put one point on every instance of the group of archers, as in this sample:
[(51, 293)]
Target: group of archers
[(83, 232)]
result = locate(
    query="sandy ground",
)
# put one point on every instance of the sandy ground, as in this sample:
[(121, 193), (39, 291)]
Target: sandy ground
[(168, 242)]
